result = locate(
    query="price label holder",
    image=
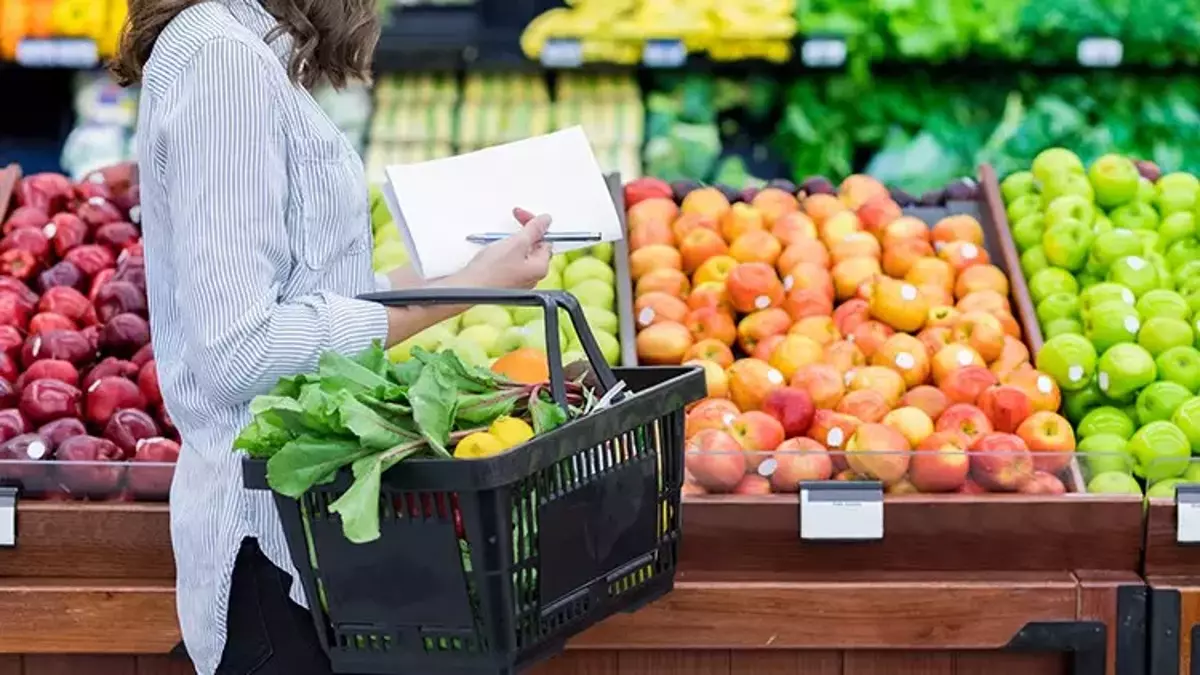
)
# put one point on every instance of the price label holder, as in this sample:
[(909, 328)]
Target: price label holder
[(1187, 514), (8, 517), (823, 52), (664, 54), (1100, 52), (562, 53), (841, 511), (79, 53)]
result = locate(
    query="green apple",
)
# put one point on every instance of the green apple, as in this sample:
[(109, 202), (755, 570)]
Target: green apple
[(468, 351), (1163, 303), (1187, 418), (1086, 279), (574, 356), (483, 335), (431, 340), (1105, 420), (595, 293), (1178, 226), (1069, 359), (609, 347), (1182, 252), (1176, 192), (1135, 216), (575, 254), (1058, 306), (1110, 324), (1053, 162), (1187, 273), (1193, 301), (1112, 246), (1061, 326), (1077, 404), (511, 339), (487, 315), (602, 252), (1033, 261), (1115, 180), (1102, 224), (559, 261), (1124, 369), (1161, 450), (602, 320), (1028, 231), (388, 255), (1051, 281), (1114, 483), (1104, 453), (1135, 273), (1159, 401), (535, 335), (587, 268), (1018, 184), (1067, 244), (1164, 489), (1192, 475), (1069, 184), (1021, 207), (1149, 241), (1160, 333), (1180, 365), (1101, 293), (1070, 207), (1146, 192)]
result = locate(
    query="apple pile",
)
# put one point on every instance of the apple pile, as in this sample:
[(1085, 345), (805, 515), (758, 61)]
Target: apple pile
[(1112, 258), (840, 339), (484, 333), (78, 384)]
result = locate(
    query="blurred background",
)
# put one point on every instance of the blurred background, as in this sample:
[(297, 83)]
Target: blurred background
[(915, 92)]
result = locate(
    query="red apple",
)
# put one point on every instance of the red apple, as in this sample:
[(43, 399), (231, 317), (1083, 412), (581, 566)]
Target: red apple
[(793, 407)]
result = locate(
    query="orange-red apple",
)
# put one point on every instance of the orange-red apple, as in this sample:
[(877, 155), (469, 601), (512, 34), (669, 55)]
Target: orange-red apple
[(663, 344), (793, 407), (698, 246), (910, 421), (756, 246), (750, 380), (715, 460), (824, 384), (798, 460), (657, 307), (880, 452), (709, 323), (740, 219), (760, 325), (818, 328), (714, 270), (714, 377), (941, 462), (707, 201), (665, 280), (964, 385), (927, 398), (906, 355), (865, 404), (793, 353), (1050, 439), (754, 286), (1001, 461), (1006, 406), (710, 350), (965, 419), (952, 357), (793, 227)]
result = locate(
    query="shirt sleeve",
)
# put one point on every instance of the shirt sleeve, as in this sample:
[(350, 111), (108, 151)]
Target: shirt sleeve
[(224, 164)]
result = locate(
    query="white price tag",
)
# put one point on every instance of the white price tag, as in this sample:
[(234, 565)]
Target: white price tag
[(1097, 52), (1187, 514), (664, 54), (562, 53), (58, 53), (823, 53), (841, 511), (8, 517)]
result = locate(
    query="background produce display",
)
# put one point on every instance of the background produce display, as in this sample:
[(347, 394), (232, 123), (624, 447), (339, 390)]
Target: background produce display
[(1112, 260), (81, 415), (838, 336)]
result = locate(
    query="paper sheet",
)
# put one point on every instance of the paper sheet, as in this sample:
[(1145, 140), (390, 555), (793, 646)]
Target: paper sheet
[(437, 204)]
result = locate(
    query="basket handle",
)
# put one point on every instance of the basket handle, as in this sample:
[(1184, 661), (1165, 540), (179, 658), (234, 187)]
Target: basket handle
[(549, 301)]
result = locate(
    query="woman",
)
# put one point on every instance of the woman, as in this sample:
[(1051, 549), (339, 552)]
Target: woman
[(258, 239)]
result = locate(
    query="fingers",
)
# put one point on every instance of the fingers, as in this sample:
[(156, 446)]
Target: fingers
[(523, 217), (534, 231)]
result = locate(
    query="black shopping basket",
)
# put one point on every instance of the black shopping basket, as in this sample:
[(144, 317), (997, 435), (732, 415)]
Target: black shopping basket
[(489, 566)]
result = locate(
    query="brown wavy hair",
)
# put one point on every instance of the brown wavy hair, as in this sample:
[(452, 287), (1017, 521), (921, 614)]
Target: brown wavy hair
[(334, 39)]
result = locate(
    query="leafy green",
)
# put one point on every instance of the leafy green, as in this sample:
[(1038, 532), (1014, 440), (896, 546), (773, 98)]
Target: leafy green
[(365, 414)]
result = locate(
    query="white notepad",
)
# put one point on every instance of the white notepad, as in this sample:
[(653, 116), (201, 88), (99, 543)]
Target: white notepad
[(437, 204)]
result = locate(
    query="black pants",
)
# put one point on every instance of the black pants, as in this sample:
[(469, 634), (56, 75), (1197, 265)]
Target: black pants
[(267, 633)]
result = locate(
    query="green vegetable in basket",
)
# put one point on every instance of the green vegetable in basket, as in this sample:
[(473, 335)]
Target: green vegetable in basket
[(368, 414)]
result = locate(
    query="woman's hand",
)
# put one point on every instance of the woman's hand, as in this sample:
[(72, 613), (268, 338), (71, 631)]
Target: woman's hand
[(518, 262)]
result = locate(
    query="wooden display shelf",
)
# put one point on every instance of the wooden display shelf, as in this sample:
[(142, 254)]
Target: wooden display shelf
[(1172, 573)]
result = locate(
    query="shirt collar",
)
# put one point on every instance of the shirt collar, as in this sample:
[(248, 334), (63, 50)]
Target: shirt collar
[(250, 13)]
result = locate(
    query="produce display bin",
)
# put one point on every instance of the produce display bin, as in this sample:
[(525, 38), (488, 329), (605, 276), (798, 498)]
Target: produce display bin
[(1172, 571), (497, 562)]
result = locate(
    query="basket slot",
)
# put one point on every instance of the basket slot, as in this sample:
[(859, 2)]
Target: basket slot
[(363, 640)]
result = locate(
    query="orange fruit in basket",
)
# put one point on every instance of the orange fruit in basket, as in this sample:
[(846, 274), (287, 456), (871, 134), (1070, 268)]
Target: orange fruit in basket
[(527, 365)]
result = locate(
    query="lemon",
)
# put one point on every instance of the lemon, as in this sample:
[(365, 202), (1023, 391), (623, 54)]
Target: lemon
[(478, 445), (510, 431)]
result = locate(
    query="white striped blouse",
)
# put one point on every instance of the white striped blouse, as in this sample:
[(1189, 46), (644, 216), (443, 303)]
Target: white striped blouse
[(258, 237)]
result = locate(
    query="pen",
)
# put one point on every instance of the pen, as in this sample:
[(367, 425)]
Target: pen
[(552, 237)]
